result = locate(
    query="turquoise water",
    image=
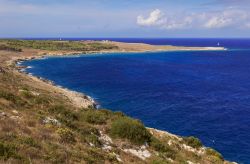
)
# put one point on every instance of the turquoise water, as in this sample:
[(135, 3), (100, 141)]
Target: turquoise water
[(204, 93)]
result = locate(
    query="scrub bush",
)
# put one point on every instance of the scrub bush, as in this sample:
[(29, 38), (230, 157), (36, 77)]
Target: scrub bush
[(193, 142), (66, 136), (130, 129), (214, 153), (95, 117)]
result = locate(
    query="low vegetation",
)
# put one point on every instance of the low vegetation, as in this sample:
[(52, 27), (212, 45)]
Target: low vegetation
[(10, 48), (66, 135), (130, 129), (39, 125), (7, 151), (215, 154), (163, 148), (95, 117), (193, 142), (18, 45)]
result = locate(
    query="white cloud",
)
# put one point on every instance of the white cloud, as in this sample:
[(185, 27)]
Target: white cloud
[(153, 19), (218, 22), (205, 20), (178, 23), (158, 19)]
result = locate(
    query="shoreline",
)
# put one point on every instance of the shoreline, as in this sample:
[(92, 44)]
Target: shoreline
[(80, 99), (28, 84)]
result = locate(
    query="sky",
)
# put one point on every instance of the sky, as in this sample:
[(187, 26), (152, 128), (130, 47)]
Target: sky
[(125, 18)]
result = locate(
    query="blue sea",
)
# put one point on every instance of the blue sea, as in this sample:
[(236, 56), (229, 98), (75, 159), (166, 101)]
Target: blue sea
[(190, 93)]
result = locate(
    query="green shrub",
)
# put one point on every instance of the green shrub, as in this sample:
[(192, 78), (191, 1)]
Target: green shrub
[(96, 155), (193, 142), (10, 48), (56, 155), (87, 130), (214, 153), (16, 45), (63, 113), (27, 94), (93, 139), (25, 88), (66, 136), (8, 96), (119, 114), (130, 129), (29, 141), (95, 117), (11, 97), (7, 151), (162, 148), (112, 157), (41, 99), (157, 145), (106, 112)]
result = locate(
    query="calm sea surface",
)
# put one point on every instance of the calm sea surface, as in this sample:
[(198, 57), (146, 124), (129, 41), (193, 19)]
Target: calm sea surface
[(204, 93)]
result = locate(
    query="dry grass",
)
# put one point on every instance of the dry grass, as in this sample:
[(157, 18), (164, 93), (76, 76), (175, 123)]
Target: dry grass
[(25, 136)]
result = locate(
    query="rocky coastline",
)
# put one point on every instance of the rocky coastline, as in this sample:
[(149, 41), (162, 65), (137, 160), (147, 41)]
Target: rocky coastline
[(79, 99), (82, 101)]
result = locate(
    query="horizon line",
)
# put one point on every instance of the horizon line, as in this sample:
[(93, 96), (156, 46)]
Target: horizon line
[(63, 38)]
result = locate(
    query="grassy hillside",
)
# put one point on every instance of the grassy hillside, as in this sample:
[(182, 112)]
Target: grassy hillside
[(39, 125)]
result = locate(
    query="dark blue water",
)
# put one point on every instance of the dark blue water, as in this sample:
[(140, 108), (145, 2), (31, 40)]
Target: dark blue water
[(205, 93)]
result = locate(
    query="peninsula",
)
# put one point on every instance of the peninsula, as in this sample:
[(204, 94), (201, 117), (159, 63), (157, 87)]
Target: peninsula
[(43, 123)]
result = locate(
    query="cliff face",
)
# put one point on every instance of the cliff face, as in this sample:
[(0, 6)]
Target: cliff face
[(41, 123)]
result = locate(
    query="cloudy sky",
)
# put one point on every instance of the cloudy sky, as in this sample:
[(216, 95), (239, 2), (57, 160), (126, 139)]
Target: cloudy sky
[(125, 18)]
